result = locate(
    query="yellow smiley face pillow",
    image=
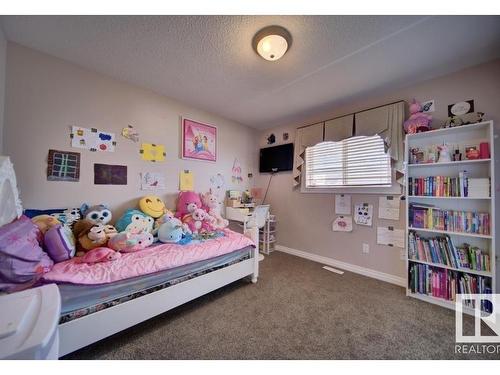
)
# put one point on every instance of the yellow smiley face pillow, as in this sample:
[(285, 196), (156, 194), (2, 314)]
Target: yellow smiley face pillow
[(153, 206)]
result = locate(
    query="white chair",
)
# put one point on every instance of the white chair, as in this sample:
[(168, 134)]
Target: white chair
[(257, 220)]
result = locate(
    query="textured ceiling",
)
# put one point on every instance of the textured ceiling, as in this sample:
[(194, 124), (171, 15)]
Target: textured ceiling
[(208, 61)]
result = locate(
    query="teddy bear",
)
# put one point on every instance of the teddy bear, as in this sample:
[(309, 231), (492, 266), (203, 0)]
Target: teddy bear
[(98, 214), (418, 121), (88, 236), (198, 221), (187, 202), (212, 206)]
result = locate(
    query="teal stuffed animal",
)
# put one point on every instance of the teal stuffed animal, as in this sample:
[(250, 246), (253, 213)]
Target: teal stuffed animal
[(172, 232), (134, 221)]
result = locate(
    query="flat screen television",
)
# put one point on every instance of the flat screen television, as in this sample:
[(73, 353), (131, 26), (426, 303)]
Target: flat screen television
[(276, 158)]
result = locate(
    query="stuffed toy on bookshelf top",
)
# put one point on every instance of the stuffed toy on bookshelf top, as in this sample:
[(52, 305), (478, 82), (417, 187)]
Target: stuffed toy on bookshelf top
[(418, 121)]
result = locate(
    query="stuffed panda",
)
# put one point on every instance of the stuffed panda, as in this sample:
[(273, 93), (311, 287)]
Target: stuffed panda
[(98, 214)]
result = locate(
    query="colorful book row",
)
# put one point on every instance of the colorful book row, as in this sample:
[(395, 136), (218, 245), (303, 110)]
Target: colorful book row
[(428, 217), (441, 250), (445, 284), (438, 186)]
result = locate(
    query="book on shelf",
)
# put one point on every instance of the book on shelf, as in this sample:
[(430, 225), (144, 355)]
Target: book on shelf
[(445, 284), (442, 251), (479, 187), (445, 186), (430, 217)]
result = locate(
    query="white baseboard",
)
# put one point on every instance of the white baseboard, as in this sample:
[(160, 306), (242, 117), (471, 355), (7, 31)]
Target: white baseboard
[(400, 281)]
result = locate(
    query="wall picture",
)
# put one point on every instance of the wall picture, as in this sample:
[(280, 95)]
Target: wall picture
[(152, 181), (152, 152), (63, 166), (106, 174), (199, 141), (92, 139)]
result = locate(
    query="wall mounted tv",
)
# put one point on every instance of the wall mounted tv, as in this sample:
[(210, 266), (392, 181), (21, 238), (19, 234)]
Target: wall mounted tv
[(276, 158)]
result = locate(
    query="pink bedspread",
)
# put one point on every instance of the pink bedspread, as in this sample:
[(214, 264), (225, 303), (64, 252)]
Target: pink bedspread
[(153, 259)]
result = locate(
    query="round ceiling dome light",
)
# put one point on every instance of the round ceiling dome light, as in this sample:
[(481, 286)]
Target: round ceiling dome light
[(272, 42)]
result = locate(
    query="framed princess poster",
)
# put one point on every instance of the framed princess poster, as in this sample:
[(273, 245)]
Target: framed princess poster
[(199, 141)]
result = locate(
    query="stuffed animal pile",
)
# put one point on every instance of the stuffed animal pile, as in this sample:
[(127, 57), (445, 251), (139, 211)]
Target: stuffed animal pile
[(86, 232)]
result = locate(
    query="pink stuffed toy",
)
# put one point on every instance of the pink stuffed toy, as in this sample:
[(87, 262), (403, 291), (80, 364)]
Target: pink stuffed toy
[(198, 221), (418, 121), (212, 206), (128, 242), (98, 255), (187, 202)]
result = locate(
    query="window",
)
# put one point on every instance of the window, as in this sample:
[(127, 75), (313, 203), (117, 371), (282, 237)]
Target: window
[(356, 161)]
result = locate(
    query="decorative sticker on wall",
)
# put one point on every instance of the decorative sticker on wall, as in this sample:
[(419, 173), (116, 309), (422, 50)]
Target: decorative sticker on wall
[(152, 181), (342, 224), (236, 172), (63, 166), (131, 133), (217, 184), (92, 139), (363, 214), (153, 152), (106, 174)]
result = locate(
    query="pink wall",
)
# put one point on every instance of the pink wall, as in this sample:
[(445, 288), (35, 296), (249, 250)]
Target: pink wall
[(305, 219)]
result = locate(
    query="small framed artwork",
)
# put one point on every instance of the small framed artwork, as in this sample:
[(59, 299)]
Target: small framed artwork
[(199, 141), (63, 166), (106, 174)]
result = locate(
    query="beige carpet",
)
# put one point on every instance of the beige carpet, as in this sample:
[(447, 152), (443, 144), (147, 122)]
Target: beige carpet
[(297, 310)]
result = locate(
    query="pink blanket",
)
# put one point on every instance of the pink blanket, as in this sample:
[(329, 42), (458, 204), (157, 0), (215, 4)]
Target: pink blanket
[(153, 259)]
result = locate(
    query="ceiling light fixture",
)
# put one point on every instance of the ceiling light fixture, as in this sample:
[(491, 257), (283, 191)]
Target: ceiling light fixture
[(272, 42)]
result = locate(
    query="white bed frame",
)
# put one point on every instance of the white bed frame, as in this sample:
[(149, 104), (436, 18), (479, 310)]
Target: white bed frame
[(88, 329)]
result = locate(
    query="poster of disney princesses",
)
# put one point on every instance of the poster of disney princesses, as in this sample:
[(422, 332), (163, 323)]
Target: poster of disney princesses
[(199, 141)]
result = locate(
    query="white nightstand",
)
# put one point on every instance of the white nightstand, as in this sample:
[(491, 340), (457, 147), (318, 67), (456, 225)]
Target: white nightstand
[(29, 323)]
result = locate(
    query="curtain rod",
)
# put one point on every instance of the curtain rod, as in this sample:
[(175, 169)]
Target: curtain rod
[(353, 113)]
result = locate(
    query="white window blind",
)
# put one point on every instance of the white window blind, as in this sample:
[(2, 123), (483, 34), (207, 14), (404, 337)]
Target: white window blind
[(356, 161)]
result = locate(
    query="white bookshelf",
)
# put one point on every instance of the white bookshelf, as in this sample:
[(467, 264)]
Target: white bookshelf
[(467, 134)]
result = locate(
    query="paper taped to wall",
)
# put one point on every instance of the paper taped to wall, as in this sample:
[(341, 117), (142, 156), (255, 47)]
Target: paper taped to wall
[(342, 224), (363, 214), (342, 204), (391, 237), (92, 139), (186, 181), (388, 207), (152, 181)]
